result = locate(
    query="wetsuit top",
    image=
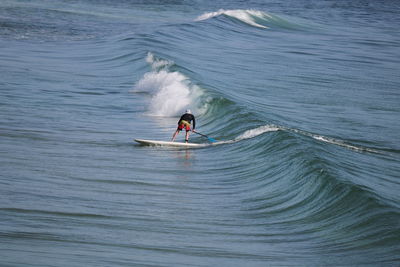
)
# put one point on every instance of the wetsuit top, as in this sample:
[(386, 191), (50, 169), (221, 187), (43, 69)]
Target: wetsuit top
[(189, 118)]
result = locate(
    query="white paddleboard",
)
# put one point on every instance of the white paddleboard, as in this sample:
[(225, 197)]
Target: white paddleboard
[(168, 143)]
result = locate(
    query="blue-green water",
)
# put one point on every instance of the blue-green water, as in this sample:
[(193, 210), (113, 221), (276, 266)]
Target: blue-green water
[(303, 95)]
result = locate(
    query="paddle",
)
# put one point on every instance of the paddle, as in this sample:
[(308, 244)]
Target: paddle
[(212, 140)]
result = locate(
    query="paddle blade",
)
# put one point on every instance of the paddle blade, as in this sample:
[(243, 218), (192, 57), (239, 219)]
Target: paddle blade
[(212, 140)]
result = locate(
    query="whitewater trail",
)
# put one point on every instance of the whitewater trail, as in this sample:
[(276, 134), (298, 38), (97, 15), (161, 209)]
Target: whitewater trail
[(252, 133)]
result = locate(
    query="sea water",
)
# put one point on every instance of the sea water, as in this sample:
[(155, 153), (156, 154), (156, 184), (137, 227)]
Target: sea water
[(302, 96)]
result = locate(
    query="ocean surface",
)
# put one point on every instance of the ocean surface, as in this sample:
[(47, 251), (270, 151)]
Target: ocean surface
[(303, 98)]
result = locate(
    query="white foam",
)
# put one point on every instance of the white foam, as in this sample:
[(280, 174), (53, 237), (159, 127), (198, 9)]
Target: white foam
[(343, 144), (251, 134), (273, 128), (257, 131), (172, 91), (247, 16), (333, 141), (157, 63)]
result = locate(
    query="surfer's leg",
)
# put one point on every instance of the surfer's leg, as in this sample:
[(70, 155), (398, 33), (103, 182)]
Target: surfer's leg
[(175, 134), (187, 136), (180, 127)]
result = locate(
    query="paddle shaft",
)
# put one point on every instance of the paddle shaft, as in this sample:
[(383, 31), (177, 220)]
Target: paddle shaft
[(209, 138)]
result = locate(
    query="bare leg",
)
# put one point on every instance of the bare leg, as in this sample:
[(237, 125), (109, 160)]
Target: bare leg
[(174, 136), (187, 136)]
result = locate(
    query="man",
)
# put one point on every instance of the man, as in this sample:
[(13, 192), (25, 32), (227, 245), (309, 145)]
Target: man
[(184, 123)]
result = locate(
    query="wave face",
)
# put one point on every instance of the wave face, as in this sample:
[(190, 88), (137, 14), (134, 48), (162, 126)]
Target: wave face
[(302, 99)]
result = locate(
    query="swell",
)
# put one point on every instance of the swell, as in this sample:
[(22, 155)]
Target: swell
[(295, 190), (289, 182), (230, 123), (172, 92), (290, 186), (287, 177)]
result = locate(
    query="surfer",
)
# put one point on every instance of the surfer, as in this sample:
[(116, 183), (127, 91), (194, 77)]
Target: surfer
[(185, 123)]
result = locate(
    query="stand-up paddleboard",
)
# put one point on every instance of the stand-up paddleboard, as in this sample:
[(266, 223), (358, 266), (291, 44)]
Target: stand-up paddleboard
[(168, 143)]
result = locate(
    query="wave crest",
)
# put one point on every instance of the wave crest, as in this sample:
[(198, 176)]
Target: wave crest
[(255, 18), (258, 131)]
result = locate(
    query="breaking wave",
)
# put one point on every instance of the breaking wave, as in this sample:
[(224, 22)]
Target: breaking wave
[(255, 18)]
